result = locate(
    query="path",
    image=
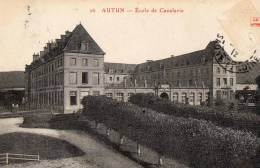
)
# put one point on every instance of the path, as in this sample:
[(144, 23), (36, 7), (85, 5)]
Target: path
[(97, 154)]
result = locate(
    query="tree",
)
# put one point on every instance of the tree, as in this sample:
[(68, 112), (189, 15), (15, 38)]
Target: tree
[(257, 81)]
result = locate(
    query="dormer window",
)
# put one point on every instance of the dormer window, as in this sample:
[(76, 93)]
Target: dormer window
[(111, 70), (84, 46), (203, 59), (161, 66)]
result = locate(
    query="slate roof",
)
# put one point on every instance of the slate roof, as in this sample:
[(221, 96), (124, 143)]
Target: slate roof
[(69, 42), (78, 35), (12, 79), (119, 68), (193, 58)]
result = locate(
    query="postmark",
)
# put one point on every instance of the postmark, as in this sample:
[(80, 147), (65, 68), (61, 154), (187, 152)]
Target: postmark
[(227, 61)]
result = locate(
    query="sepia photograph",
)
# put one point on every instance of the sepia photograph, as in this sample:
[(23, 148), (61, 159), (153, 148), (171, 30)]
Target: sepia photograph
[(130, 84)]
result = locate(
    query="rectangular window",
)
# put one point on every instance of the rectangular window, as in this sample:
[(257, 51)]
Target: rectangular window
[(95, 63), (120, 96), (95, 78), (190, 83), (110, 78), (73, 77), (109, 95), (73, 61), (225, 81), (73, 98), (231, 82), (218, 81), (84, 77), (84, 62), (224, 70), (117, 78), (218, 70)]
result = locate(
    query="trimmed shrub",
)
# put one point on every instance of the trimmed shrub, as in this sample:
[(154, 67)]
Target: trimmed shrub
[(243, 121), (200, 143)]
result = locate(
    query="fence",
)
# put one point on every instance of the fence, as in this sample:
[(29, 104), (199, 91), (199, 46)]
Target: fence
[(6, 109), (5, 158)]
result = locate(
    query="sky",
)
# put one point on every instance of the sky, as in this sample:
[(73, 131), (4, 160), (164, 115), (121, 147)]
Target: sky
[(127, 37)]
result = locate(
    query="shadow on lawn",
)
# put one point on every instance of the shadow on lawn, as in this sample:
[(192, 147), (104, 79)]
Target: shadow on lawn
[(47, 147), (86, 127)]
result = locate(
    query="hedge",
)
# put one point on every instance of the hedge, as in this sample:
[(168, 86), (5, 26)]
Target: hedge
[(243, 121), (199, 143)]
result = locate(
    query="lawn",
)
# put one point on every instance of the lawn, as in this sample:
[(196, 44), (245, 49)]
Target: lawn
[(33, 144)]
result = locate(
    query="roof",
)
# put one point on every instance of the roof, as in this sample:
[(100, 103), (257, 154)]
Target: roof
[(69, 42), (119, 68), (193, 58), (249, 77), (12, 79), (79, 35)]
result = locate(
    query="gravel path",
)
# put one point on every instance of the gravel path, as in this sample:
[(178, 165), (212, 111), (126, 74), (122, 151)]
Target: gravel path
[(97, 154)]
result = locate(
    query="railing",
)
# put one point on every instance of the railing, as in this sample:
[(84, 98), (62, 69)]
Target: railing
[(5, 158)]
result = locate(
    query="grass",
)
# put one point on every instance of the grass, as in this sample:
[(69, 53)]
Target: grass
[(148, 157), (46, 147)]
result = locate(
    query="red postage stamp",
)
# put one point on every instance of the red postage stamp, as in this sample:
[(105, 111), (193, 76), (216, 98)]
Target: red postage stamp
[(255, 21)]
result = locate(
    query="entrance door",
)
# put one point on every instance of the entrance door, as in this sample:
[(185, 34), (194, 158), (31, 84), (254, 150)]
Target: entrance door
[(164, 96)]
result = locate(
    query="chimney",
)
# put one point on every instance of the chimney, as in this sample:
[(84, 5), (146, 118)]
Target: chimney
[(35, 57), (41, 53), (53, 45), (45, 50), (62, 37), (48, 47), (67, 33)]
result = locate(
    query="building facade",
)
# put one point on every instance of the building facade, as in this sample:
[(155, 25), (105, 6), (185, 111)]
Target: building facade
[(64, 72), (73, 67)]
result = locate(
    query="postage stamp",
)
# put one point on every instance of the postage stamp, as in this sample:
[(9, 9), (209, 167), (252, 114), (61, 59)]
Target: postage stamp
[(255, 21)]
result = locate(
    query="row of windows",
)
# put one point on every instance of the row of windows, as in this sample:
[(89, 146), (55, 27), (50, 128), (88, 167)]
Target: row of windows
[(55, 79), (185, 98), (73, 96), (115, 70), (225, 81), (85, 78), (47, 98), (171, 75), (189, 98), (84, 62), (117, 78), (224, 70), (119, 96), (47, 68)]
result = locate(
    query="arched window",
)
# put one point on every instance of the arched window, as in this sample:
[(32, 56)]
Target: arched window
[(192, 98), (199, 98), (175, 97), (184, 98)]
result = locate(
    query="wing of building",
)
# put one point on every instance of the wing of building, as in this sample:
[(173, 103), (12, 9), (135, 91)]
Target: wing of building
[(64, 72), (73, 67)]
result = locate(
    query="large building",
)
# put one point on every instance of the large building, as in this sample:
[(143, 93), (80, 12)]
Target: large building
[(190, 78), (73, 67), (64, 72)]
